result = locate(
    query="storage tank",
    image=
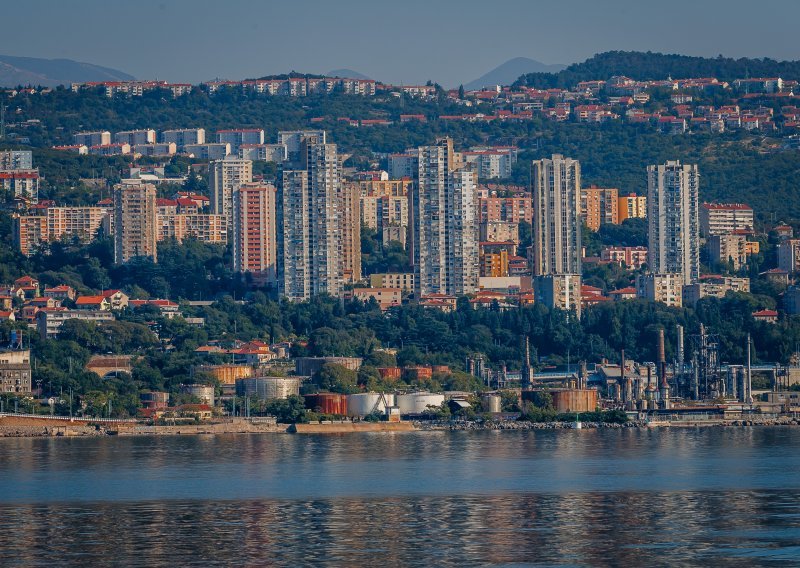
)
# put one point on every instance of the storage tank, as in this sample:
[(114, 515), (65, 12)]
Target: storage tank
[(492, 403), (390, 373), (227, 374), (203, 392), (418, 402), (327, 403), (268, 388), (362, 404), (443, 369), (154, 399)]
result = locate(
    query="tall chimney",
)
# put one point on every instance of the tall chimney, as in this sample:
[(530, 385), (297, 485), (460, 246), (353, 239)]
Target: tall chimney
[(662, 359)]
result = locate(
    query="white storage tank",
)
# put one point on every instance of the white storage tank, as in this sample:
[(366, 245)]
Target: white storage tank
[(492, 403), (203, 392), (362, 404), (418, 402)]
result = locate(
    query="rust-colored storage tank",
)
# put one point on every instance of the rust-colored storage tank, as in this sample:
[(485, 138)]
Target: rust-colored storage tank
[(390, 373), (327, 403), (575, 400), (443, 369), (418, 373)]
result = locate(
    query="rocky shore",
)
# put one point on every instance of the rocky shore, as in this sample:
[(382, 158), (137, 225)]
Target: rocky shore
[(522, 425)]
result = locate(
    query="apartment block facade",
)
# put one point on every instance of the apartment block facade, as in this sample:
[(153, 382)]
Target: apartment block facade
[(444, 223), (673, 220), (225, 177), (255, 246), (135, 222)]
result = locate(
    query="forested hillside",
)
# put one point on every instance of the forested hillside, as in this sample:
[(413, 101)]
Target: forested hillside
[(649, 66), (735, 166)]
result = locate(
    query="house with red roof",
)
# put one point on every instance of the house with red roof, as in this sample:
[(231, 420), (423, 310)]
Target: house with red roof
[(61, 292), (92, 303), (768, 316)]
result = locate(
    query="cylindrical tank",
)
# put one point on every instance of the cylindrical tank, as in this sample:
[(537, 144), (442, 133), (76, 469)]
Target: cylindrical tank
[(491, 402), (362, 404), (418, 402), (327, 403), (154, 399), (417, 373), (443, 369), (227, 374), (203, 392), (390, 373), (268, 388)]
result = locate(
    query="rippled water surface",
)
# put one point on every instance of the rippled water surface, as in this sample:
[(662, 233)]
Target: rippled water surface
[(715, 497)]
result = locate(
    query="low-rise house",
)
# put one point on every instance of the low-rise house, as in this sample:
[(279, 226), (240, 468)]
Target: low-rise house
[(768, 316), (92, 303), (61, 292), (29, 286)]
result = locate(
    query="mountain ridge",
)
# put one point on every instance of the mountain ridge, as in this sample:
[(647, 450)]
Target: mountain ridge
[(509, 71), (15, 70)]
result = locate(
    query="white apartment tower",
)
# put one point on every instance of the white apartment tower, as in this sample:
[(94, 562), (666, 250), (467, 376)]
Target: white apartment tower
[(225, 177), (673, 220), (443, 214), (556, 216), (319, 223), (556, 201)]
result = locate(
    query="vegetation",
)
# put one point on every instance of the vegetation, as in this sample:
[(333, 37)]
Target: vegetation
[(651, 66)]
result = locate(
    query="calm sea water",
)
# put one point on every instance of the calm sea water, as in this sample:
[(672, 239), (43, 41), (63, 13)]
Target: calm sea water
[(715, 497)]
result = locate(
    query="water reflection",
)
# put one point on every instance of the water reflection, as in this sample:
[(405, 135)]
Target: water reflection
[(602, 529), (623, 498)]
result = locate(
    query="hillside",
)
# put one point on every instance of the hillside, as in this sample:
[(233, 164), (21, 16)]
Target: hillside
[(347, 74), (654, 66), (509, 71), (53, 72)]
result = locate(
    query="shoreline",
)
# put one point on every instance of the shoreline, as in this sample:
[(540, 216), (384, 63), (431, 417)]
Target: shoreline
[(11, 427)]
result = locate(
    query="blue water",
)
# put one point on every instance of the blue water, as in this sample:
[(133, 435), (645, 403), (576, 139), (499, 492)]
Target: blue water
[(721, 497)]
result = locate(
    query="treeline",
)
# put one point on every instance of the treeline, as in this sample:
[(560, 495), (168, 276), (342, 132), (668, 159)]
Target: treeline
[(649, 66)]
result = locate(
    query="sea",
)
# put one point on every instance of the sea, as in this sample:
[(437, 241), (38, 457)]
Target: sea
[(608, 497)]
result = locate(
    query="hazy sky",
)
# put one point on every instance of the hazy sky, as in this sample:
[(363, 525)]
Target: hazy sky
[(404, 40)]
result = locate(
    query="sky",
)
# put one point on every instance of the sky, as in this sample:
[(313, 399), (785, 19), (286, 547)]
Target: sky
[(402, 41)]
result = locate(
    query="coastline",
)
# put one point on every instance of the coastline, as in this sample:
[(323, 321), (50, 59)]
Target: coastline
[(12, 427)]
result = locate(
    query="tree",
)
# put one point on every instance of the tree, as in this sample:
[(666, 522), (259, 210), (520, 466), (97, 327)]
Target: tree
[(336, 378)]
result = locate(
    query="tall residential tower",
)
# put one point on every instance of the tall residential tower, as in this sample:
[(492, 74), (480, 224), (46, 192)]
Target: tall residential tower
[(673, 220), (443, 216)]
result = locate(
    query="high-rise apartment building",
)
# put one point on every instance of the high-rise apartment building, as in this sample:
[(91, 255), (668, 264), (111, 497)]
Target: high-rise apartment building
[(319, 224), (599, 206), (443, 214), (16, 160), (225, 177), (673, 221), (556, 216), (724, 218), (557, 232), (255, 232), (135, 222), (632, 206)]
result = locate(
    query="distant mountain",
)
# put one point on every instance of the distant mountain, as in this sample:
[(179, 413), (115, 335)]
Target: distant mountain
[(53, 72), (510, 71), (346, 74), (646, 66)]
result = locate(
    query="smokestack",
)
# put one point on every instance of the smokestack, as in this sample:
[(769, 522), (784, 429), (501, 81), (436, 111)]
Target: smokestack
[(662, 359)]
